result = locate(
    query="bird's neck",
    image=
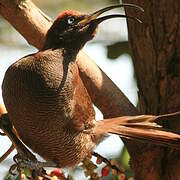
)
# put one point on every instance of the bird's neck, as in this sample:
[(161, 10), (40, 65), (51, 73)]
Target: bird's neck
[(71, 46), (69, 52)]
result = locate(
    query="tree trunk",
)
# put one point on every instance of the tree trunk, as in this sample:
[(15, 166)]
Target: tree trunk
[(155, 46)]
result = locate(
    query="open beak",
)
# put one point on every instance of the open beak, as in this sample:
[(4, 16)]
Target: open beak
[(94, 16)]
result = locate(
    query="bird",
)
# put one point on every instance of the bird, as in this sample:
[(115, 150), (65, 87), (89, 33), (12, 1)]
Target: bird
[(47, 102)]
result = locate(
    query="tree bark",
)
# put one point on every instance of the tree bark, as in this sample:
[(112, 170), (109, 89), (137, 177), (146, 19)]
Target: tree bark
[(155, 46)]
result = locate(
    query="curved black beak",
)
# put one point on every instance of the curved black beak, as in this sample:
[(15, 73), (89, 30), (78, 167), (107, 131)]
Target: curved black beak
[(94, 16)]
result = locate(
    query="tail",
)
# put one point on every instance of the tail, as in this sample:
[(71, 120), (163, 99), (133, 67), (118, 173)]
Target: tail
[(142, 128)]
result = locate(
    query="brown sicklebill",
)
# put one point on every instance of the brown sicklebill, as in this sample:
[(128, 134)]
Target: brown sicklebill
[(49, 106)]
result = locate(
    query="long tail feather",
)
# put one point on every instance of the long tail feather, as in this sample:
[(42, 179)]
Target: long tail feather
[(170, 116), (148, 121), (141, 128)]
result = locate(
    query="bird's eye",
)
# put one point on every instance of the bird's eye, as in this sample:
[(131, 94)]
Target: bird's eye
[(70, 20)]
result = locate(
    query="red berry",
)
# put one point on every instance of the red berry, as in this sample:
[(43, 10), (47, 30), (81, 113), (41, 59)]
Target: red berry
[(98, 160), (57, 172), (105, 171)]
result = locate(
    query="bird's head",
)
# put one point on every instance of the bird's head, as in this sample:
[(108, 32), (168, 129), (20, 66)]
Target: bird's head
[(73, 29)]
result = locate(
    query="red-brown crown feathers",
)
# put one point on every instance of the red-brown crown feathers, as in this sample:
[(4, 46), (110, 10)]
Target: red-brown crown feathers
[(65, 13)]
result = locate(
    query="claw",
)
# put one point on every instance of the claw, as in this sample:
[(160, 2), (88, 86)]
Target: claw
[(13, 169), (36, 167)]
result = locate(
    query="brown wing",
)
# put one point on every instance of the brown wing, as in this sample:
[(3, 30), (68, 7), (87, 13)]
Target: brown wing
[(83, 114)]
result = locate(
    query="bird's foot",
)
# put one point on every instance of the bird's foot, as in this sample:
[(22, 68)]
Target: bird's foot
[(35, 167)]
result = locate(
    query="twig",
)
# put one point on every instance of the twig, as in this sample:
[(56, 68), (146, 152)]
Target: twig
[(6, 154), (112, 166)]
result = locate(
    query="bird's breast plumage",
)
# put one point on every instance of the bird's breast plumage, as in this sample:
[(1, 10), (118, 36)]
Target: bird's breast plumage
[(41, 94)]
